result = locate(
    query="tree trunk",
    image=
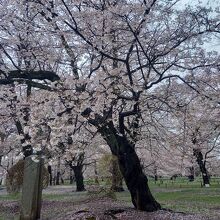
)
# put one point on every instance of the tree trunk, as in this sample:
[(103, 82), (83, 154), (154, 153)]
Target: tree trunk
[(202, 167), (155, 173), (54, 180), (79, 178), (58, 172), (205, 178), (117, 183), (96, 174), (137, 182), (131, 169), (62, 180), (191, 176), (49, 168), (71, 176), (58, 178)]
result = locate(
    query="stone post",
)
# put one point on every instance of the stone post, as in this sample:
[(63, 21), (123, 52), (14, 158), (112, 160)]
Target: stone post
[(32, 188)]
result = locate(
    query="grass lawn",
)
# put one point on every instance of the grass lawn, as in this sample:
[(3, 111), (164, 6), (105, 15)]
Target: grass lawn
[(190, 198), (184, 196), (179, 195)]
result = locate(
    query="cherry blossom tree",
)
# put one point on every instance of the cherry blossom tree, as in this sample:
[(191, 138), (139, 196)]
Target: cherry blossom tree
[(22, 66), (194, 130), (113, 65), (130, 51), (202, 133)]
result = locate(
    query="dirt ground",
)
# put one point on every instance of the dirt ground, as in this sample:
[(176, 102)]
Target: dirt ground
[(96, 209), (106, 209)]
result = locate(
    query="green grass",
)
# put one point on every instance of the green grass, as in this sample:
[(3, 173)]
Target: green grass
[(74, 196), (179, 195), (189, 198), (192, 200), (10, 197)]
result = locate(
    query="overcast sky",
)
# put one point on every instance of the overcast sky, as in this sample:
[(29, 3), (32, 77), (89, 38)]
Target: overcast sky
[(215, 44), (201, 2)]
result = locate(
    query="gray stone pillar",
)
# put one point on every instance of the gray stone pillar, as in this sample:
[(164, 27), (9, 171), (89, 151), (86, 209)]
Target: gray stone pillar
[(32, 188)]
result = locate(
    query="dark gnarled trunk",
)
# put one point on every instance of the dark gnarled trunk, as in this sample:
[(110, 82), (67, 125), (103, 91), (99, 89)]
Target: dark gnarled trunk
[(199, 158), (76, 165), (58, 178), (79, 178), (49, 168), (131, 170), (137, 182)]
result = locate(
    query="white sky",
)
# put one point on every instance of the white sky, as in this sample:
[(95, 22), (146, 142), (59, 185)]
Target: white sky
[(215, 44), (207, 3)]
